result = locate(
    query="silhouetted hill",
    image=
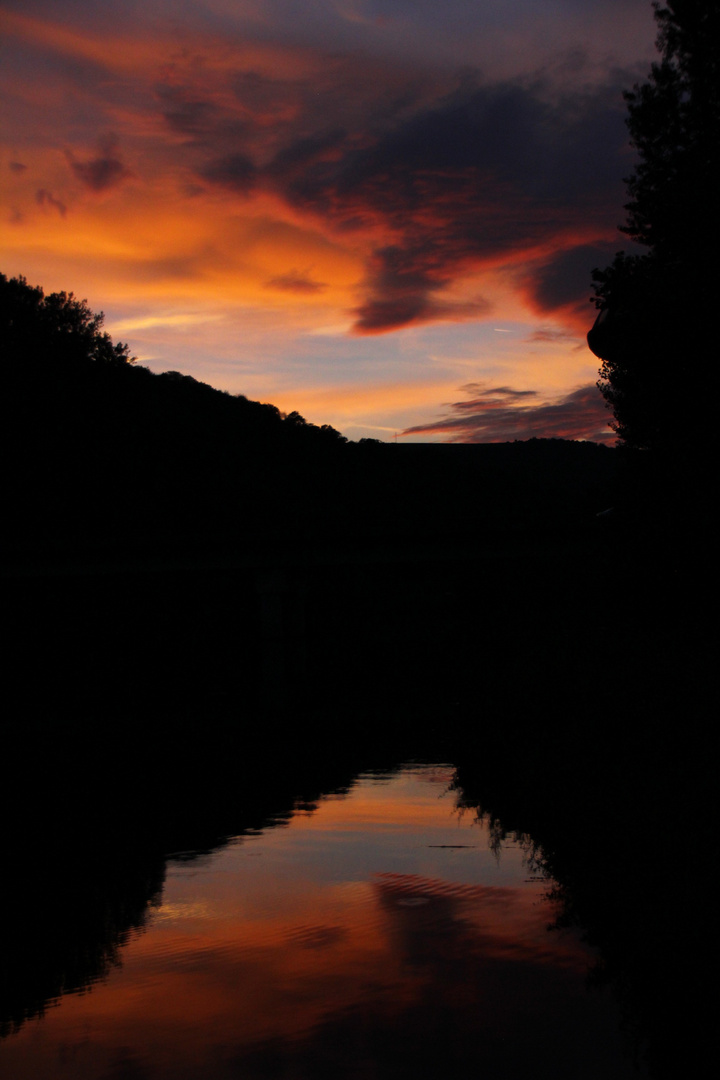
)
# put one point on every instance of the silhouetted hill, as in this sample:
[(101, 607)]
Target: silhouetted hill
[(114, 458), (200, 591), (103, 457)]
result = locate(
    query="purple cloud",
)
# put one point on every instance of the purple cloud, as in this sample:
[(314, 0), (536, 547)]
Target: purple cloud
[(103, 172), (502, 414), (442, 180)]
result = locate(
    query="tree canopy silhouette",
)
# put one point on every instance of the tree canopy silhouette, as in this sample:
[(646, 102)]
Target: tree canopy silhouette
[(654, 332), (55, 328), (99, 451)]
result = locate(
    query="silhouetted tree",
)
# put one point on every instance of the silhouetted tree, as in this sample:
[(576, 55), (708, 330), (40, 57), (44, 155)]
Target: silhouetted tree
[(97, 450), (654, 332), (53, 328)]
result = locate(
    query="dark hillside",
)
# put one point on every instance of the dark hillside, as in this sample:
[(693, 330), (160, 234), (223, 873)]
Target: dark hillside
[(202, 593), (102, 459), (168, 544)]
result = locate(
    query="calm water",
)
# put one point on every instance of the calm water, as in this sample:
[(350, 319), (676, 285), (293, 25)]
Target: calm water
[(377, 935)]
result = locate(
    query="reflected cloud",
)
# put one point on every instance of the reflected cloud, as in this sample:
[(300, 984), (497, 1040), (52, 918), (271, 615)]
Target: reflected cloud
[(295, 964)]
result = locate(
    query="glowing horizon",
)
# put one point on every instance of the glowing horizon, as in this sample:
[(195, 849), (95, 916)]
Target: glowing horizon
[(353, 211)]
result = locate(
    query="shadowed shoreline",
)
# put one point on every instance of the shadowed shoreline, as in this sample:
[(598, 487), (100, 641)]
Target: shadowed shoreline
[(216, 610), (168, 704)]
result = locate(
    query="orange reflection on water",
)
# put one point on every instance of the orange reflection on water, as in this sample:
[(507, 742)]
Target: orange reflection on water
[(378, 925)]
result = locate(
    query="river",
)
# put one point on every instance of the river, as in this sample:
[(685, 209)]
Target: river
[(375, 931)]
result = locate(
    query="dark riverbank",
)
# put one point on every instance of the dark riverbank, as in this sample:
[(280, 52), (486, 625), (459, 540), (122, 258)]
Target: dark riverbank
[(564, 671), (576, 636), (214, 611)]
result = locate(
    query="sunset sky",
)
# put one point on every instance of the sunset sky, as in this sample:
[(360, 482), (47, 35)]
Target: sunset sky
[(381, 213)]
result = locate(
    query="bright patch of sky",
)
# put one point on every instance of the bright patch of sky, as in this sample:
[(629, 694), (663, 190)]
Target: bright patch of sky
[(352, 208)]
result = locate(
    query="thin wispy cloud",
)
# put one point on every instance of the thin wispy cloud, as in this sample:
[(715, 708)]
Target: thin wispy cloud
[(296, 281), (503, 414), (549, 335)]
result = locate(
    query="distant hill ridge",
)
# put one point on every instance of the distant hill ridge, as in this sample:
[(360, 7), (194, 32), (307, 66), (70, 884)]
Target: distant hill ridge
[(101, 452)]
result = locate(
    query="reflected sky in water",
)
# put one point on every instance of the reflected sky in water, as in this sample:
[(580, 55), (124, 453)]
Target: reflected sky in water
[(376, 935)]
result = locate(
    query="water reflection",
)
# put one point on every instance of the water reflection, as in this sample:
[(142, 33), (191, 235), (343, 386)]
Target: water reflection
[(632, 872), (67, 915), (374, 936)]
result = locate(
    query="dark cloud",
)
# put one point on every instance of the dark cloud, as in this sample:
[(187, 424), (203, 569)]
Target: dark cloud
[(500, 415), (43, 197), (235, 171), (381, 314), (420, 171), (103, 172), (488, 172), (507, 393), (202, 121), (473, 149), (403, 283), (292, 166), (190, 117), (295, 281), (480, 172), (565, 280), (17, 167), (261, 94)]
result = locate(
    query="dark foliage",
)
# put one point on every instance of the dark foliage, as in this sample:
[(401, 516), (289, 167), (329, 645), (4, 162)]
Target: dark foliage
[(615, 784), (655, 333), (274, 591), (101, 453), (55, 329)]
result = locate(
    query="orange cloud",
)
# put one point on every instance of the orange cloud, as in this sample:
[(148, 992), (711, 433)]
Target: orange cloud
[(424, 182), (122, 53), (306, 188)]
